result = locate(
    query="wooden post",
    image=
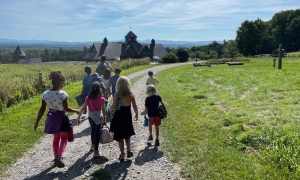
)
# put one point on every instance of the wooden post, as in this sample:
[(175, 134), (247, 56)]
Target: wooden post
[(280, 57), (274, 62)]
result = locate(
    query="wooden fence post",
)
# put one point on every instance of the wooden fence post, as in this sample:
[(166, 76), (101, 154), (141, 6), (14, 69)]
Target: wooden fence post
[(280, 57), (274, 62)]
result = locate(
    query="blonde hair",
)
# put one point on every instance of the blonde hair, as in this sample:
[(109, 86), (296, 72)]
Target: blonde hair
[(123, 87)]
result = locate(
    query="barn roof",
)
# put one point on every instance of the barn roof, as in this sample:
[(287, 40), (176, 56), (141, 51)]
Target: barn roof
[(159, 50), (19, 52), (130, 34), (133, 48)]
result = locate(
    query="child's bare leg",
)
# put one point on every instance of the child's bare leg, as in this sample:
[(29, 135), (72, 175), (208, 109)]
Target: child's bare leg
[(150, 129), (128, 144), (121, 146), (156, 132)]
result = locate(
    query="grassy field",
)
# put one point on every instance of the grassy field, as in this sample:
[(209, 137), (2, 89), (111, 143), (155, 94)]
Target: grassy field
[(233, 122), (16, 122), (21, 82)]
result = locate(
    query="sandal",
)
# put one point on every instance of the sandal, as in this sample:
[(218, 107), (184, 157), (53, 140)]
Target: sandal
[(129, 154), (121, 160)]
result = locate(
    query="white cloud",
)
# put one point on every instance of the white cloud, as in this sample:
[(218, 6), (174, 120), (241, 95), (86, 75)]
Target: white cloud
[(95, 17)]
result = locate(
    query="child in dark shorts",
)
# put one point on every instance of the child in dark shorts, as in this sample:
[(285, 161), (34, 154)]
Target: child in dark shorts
[(151, 108)]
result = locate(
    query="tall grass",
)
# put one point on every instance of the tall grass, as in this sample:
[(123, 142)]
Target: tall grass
[(21, 82)]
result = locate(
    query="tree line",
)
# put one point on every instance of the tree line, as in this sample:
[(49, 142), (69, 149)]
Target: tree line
[(6, 56), (227, 49), (252, 38), (262, 37)]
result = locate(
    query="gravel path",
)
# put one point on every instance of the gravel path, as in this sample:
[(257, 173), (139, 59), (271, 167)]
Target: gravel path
[(147, 162)]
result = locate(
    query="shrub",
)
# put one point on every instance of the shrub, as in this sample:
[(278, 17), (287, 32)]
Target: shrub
[(182, 54), (170, 58)]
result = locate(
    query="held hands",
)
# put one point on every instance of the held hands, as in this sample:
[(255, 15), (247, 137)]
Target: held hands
[(136, 117), (77, 111), (36, 127)]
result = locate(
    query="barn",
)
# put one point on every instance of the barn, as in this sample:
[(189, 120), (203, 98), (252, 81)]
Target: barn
[(128, 49)]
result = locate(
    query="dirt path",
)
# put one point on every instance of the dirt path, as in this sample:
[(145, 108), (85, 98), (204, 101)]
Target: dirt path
[(147, 162)]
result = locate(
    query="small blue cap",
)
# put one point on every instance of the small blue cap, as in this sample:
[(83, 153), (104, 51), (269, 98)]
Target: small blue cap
[(150, 72)]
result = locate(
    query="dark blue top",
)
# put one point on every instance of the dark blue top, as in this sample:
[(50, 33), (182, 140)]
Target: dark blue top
[(113, 81), (152, 103), (87, 83)]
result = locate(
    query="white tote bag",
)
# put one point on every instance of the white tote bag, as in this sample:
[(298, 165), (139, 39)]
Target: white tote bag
[(105, 135)]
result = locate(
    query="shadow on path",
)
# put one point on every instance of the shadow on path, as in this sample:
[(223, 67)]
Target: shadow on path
[(76, 170), (148, 154), (117, 170)]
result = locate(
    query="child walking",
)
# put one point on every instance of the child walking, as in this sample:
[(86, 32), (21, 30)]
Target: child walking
[(57, 122), (86, 83), (151, 79), (121, 124), (105, 80), (113, 81), (151, 108), (97, 115)]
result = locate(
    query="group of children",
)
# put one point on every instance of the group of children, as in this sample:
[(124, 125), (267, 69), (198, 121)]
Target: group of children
[(96, 91)]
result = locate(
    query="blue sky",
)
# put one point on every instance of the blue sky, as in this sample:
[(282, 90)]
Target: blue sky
[(80, 20)]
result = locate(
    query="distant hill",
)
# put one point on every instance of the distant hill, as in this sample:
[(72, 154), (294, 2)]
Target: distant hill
[(11, 44)]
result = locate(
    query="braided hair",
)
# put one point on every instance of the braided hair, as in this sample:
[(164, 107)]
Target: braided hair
[(56, 77)]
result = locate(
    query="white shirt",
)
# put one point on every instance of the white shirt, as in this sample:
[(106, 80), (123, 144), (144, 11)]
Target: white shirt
[(54, 99)]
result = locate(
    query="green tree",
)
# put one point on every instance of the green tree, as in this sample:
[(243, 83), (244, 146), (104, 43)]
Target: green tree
[(251, 36), (203, 56), (182, 54), (293, 30), (170, 58), (85, 50), (213, 54), (193, 55)]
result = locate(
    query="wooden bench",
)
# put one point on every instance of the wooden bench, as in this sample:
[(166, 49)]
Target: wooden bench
[(214, 63), (198, 64), (234, 63)]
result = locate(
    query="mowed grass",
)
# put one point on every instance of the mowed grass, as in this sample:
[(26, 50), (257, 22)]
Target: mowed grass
[(233, 122), (16, 123)]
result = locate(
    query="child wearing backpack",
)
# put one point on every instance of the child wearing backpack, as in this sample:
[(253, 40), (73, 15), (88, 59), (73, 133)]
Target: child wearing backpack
[(97, 115), (102, 65), (151, 108)]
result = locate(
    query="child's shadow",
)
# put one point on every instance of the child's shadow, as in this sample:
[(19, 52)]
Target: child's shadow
[(118, 169), (148, 154), (75, 170)]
